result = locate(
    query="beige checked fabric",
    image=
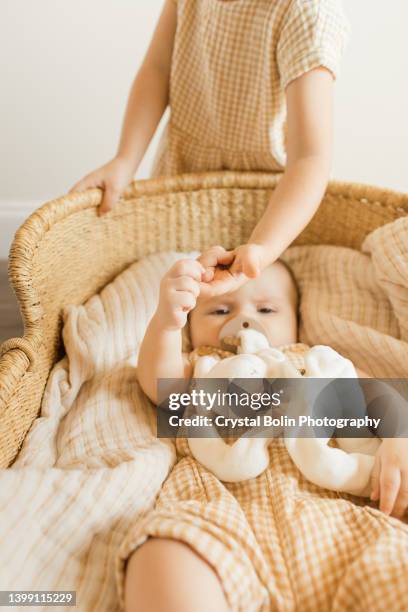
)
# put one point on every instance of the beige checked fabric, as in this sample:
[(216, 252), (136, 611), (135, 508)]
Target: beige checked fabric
[(278, 542), (232, 60)]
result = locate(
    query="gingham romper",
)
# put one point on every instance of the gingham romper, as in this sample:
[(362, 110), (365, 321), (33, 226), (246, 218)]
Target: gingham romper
[(220, 521), (232, 60), (278, 542)]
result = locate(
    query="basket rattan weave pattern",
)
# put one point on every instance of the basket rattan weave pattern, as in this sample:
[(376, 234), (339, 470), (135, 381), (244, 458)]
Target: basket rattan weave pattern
[(64, 253)]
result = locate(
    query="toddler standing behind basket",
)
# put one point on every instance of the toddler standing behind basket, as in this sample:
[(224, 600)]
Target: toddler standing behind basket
[(250, 87)]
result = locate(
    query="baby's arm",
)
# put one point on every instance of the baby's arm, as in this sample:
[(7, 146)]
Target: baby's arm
[(161, 353), (390, 473)]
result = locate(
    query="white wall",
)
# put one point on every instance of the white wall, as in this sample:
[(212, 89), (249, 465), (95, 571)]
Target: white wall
[(371, 144), (70, 65)]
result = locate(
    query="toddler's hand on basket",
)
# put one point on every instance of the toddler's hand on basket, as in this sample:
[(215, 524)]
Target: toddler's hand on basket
[(228, 270), (113, 178), (179, 289)]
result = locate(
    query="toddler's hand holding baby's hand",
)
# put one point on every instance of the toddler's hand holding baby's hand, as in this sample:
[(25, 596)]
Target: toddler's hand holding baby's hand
[(228, 270), (249, 259), (179, 290)]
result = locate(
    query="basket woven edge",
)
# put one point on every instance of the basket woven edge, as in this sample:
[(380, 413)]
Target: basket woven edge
[(34, 228)]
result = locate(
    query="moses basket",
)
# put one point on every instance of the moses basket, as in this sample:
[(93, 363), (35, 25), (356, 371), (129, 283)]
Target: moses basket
[(64, 253)]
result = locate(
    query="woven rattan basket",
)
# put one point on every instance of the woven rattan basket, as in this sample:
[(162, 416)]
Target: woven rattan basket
[(64, 253)]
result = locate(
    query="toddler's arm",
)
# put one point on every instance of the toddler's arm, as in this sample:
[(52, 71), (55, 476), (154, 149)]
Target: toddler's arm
[(149, 95), (301, 188), (161, 353), (309, 153), (148, 99)]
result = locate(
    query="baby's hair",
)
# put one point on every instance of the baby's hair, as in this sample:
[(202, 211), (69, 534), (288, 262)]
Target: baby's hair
[(294, 281), (296, 288)]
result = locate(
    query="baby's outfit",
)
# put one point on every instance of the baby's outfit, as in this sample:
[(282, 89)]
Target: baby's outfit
[(231, 63), (277, 542), (224, 522)]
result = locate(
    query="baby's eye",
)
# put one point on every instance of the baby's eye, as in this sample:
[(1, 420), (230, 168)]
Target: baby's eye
[(220, 311), (266, 310)]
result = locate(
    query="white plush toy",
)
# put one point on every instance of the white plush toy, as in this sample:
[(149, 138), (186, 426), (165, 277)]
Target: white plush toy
[(346, 469)]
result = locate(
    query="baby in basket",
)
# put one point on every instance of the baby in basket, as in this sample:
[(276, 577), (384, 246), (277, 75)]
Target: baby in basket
[(270, 303)]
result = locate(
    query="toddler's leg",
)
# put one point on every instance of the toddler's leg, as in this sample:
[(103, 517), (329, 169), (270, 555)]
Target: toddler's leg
[(167, 575)]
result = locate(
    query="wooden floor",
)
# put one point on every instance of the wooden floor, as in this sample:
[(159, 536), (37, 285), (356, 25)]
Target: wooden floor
[(10, 319)]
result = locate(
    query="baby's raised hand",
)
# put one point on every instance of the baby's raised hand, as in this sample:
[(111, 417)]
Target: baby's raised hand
[(179, 289)]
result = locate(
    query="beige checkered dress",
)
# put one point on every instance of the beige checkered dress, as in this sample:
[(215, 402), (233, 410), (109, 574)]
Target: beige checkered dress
[(279, 542), (232, 60)]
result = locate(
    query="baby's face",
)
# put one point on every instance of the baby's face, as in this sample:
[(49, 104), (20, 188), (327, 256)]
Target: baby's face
[(270, 300)]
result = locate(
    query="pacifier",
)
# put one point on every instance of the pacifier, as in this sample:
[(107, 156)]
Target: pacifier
[(231, 333)]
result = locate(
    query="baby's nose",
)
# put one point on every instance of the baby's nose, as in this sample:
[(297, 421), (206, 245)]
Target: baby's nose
[(236, 324)]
